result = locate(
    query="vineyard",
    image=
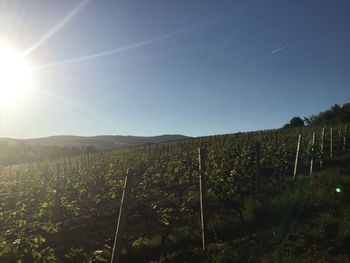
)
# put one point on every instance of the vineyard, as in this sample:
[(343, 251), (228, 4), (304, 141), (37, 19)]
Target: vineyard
[(224, 198)]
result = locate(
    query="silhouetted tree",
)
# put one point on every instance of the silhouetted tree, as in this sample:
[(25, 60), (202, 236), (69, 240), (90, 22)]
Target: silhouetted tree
[(294, 122), (336, 114)]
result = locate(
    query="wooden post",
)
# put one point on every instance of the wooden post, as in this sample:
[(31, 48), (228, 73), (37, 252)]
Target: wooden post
[(322, 146), (339, 140), (201, 164), (117, 245), (297, 157), (331, 144), (344, 138), (312, 152)]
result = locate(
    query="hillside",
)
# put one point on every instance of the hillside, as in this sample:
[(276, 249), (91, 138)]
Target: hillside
[(102, 142), (14, 151), (259, 203)]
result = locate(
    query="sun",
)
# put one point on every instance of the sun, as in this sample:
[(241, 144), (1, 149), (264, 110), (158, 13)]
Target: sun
[(15, 77)]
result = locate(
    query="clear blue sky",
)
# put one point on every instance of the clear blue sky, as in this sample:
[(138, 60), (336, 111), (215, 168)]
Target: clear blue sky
[(184, 67)]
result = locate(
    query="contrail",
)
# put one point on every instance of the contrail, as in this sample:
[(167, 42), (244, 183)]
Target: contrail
[(279, 49), (57, 27), (129, 47)]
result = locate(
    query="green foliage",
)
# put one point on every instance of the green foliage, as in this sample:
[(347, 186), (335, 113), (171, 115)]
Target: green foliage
[(103, 255), (295, 122), (143, 242), (335, 115), (14, 153), (76, 254), (65, 210), (224, 229)]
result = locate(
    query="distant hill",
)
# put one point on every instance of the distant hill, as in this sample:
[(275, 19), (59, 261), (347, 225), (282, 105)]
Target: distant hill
[(102, 142)]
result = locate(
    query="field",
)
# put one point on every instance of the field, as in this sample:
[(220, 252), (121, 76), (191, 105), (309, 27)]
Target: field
[(258, 204)]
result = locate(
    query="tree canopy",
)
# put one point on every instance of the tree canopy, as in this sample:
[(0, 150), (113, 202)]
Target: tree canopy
[(295, 122), (334, 115)]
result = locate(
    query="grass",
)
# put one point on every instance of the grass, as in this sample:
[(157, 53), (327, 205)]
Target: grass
[(309, 223)]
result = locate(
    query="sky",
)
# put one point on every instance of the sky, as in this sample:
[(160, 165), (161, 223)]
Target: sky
[(135, 67)]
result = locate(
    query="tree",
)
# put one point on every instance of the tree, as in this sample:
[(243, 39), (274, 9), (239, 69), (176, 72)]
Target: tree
[(294, 122), (334, 115)]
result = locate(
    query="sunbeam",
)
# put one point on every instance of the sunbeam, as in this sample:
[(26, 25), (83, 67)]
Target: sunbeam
[(59, 26), (126, 48)]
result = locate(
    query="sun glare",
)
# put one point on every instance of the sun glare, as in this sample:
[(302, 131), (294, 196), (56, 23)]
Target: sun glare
[(15, 77)]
